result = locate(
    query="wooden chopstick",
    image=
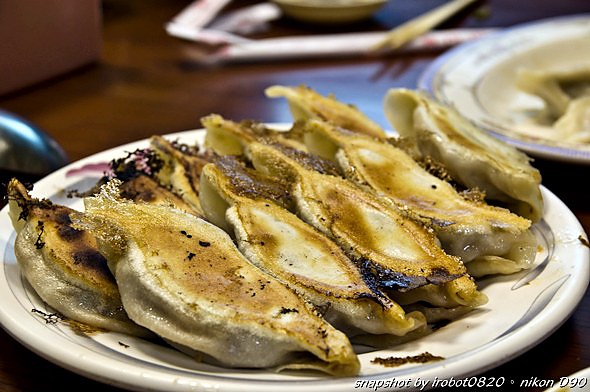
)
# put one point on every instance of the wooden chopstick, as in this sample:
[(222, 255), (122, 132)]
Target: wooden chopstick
[(418, 26)]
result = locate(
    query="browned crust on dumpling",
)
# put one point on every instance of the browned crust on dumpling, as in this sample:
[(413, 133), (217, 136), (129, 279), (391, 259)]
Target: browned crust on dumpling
[(75, 249), (307, 104), (181, 169), (64, 265)]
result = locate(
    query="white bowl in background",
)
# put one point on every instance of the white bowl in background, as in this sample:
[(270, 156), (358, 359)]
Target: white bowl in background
[(330, 11)]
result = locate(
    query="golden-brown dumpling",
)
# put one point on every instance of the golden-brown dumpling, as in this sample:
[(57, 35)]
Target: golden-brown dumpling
[(488, 239), (63, 264), (307, 104), (557, 87), (180, 170), (281, 244), (471, 156), (184, 279), (400, 253)]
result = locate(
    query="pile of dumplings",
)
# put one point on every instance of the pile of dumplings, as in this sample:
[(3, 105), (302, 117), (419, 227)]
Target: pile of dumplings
[(565, 93), (281, 248)]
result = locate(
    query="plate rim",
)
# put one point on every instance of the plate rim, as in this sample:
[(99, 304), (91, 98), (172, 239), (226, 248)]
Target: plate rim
[(128, 376), (558, 152)]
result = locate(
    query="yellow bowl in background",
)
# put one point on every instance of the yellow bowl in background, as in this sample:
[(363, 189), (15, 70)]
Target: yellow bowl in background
[(330, 11)]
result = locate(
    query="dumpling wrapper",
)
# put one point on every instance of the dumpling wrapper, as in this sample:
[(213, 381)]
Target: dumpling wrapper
[(400, 253), (471, 156), (139, 172), (301, 257), (243, 135), (226, 137), (64, 265), (488, 239), (574, 125), (180, 170), (184, 279), (145, 189), (306, 104), (557, 87)]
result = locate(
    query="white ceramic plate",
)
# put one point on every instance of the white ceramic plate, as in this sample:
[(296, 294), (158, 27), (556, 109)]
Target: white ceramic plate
[(517, 317), (478, 79)]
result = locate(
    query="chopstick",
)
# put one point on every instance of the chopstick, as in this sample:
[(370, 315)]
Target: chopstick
[(418, 26), (334, 45)]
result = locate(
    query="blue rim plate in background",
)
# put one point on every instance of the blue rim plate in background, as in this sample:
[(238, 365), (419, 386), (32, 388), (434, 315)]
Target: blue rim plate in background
[(478, 80)]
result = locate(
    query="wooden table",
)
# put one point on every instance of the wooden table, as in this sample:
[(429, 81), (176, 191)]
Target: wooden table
[(147, 82)]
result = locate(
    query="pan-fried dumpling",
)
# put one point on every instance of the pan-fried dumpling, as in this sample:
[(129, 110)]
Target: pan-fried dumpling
[(180, 169), (565, 92), (488, 239), (574, 125), (315, 164), (145, 189), (304, 259), (471, 156), (137, 173), (184, 279), (226, 137), (400, 253), (307, 104), (557, 87), (64, 265)]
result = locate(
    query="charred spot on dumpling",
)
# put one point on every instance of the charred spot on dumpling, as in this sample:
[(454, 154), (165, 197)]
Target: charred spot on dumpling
[(385, 278), (439, 276), (140, 161), (288, 310), (58, 214), (393, 280), (188, 149), (388, 279), (93, 260), (441, 222), (39, 243), (367, 274), (18, 193), (184, 233), (253, 184), (41, 208), (68, 233), (138, 188)]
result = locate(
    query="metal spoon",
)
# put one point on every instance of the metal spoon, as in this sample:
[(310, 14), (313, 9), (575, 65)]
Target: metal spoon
[(27, 149)]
